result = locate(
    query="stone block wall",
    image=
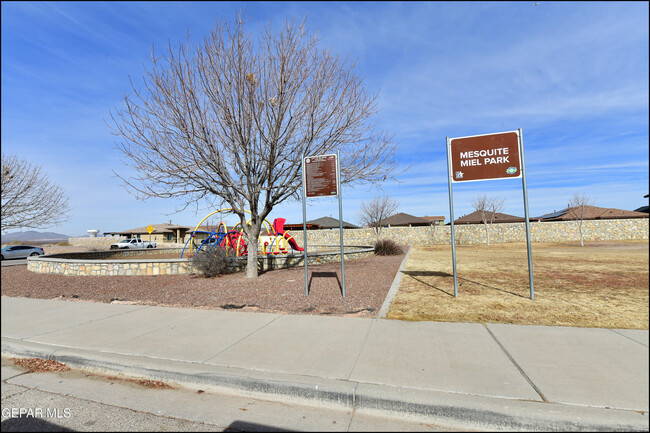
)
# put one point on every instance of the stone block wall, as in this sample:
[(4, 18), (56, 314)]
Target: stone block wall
[(471, 234), (113, 262), (98, 242)]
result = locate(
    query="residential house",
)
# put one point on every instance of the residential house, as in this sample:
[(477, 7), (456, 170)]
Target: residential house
[(591, 213), (476, 218), (402, 219), (162, 233), (320, 224), (435, 220), (646, 208)]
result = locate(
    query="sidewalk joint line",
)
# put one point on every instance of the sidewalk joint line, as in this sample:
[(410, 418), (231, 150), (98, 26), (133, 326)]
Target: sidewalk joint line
[(241, 339), (354, 405), (521, 370), (372, 323), (623, 335)]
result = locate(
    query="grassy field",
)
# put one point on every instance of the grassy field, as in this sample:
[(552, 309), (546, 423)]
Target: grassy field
[(603, 284)]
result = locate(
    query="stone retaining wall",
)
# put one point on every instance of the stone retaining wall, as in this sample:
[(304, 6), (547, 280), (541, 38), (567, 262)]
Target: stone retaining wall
[(99, 242), (466, 234), (108, 263)]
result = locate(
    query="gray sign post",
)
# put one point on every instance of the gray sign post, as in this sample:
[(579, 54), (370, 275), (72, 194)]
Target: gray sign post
[(487, 157), (523, 184), (451, 215), (321, 177)]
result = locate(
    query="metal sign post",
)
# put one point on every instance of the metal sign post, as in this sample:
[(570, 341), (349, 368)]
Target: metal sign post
[(488, 157), (523, 183), (304, 224), (338, 182), (321, 177), (451, 215), (150, 230)]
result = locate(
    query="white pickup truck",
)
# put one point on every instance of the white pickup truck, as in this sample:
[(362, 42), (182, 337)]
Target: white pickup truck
[(132, 244)]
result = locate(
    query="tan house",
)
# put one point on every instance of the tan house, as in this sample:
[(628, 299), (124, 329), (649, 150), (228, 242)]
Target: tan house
[(162, 233), (435, 220)]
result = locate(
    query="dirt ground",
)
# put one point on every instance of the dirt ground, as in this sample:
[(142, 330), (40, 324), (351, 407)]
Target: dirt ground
[(603, 284), (367, 282)]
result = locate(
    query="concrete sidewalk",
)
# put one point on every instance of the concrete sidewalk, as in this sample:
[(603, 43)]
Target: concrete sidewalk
[(486, 376)]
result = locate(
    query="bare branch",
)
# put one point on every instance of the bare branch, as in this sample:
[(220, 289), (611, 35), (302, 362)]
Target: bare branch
[(376, 210), (232, 118), (29, 198), (488, 208), (576, 210)]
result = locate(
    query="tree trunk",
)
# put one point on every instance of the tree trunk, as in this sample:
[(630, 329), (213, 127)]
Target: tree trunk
[(487, 234), (251, 264), (582, 244)]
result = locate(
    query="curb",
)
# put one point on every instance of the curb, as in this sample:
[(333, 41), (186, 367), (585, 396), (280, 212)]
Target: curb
[(394, 287), (468, 411)]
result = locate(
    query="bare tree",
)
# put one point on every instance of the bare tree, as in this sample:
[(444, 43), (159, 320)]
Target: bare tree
[(29, 198), (488, 208), (576, 210), (376, 210), (231, 119), (433, 230)]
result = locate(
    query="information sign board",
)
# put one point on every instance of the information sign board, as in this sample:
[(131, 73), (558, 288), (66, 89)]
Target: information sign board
[(485, 157), (320, 176)]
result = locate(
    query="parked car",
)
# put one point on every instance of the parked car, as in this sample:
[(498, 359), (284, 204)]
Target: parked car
[(20, 251), (132, 244)]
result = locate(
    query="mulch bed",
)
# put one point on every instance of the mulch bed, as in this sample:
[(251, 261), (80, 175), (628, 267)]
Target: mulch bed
[(367, 282)]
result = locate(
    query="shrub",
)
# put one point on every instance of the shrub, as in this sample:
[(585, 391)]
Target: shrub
[(211, 263), (63, 244), (387, 247)]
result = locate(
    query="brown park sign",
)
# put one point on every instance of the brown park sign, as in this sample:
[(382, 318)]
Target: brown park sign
[(320, 176), (485, 157)]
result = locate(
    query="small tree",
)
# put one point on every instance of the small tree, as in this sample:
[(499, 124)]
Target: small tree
[(29, 198), (433, 230), (488, 208), (372, 213), (576, 210), (231, 119)]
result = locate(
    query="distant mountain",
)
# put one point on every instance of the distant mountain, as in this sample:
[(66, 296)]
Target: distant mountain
[(34, 236)]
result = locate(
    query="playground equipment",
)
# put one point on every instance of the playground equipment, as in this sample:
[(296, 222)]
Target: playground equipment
[(276, 241)]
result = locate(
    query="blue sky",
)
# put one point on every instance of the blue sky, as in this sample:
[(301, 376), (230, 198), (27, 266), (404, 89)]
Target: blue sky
[(572, 75)]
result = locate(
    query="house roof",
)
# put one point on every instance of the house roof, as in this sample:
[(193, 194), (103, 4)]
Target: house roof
[(592, 213), (330, 223), (475, 218), (157, 228), (404, 219), (433, 218)]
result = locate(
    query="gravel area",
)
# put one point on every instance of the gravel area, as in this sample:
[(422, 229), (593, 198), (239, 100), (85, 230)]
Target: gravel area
[(279, 291)]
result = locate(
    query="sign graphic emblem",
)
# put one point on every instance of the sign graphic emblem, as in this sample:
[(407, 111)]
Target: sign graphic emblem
[(511, 170)]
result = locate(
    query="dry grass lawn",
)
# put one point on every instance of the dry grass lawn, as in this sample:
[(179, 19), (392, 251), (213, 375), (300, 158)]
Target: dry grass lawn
[(603, 285)]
